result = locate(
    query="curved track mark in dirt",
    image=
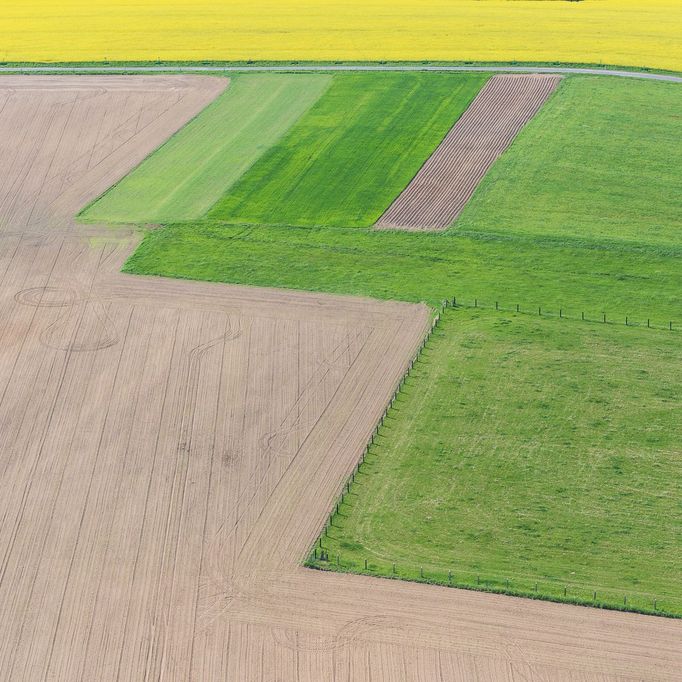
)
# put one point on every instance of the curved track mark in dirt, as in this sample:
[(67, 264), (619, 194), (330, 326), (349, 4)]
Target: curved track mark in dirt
[(46, 297)]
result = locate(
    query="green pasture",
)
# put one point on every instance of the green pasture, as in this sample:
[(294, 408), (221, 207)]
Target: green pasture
[(526, 451), (189, 173), (346, 160), (602, 160)]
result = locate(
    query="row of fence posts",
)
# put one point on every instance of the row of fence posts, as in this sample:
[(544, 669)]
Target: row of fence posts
[(323, 555), (356, 469), (603, 319)]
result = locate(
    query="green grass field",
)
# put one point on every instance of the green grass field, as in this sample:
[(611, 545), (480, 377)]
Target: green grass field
[(409, 266), (601, 160), (529, 450), (188, 174), (346, 160), (524, 448)]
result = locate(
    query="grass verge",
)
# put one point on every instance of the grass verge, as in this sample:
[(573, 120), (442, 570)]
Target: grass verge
[(179, 65)]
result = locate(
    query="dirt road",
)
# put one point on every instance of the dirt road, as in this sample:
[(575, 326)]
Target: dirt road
[(205, 69), (169, 451)]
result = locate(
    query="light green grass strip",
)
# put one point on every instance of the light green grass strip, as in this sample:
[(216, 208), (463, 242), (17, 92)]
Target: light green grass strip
[(346, 160), (602, 159), (189, 173), (534, 450)]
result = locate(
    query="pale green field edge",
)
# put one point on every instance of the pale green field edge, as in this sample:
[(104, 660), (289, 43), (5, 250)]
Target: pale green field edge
[(183, 178), (322, 559)]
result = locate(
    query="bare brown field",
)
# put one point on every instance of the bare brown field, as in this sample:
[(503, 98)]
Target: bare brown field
[(170, 450), (65, 141), (448, 179)]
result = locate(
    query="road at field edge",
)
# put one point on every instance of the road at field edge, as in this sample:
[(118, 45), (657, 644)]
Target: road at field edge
[(336, 67)]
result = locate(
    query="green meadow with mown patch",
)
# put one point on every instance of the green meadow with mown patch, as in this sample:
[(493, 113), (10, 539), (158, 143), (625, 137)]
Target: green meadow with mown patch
[(529, 455)]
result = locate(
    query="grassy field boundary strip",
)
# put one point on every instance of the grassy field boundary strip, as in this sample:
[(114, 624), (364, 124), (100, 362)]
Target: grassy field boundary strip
[(326, 557), (420, 266), (245, 66), (193, 169), (354, 151)]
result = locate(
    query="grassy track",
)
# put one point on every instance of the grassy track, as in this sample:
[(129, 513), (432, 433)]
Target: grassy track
[(345, 161), (539, 451), (601, 160), (410, 266), (186, 176)]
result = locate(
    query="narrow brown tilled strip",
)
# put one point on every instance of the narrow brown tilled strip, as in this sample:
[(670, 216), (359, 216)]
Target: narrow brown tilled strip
[(441, 189)]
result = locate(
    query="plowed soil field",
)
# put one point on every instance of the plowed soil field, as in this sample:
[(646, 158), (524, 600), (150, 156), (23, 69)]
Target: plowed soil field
[(169, 451), (445, 183), (65, 140)]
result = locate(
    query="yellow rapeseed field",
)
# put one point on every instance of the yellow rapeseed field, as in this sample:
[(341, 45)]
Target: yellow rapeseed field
[(624, 32)]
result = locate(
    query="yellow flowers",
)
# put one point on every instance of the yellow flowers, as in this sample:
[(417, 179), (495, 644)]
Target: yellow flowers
[(621, 32)]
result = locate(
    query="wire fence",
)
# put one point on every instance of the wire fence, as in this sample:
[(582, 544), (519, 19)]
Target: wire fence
[(565, 313), (323, 558), (320, 557), (341, 495)]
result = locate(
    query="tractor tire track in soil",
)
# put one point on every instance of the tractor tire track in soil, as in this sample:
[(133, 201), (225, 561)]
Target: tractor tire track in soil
[(445, 183), (169, 451)]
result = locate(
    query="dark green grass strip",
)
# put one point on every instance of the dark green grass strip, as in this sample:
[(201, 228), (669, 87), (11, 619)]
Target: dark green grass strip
[(526, 456), (345, 161)]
